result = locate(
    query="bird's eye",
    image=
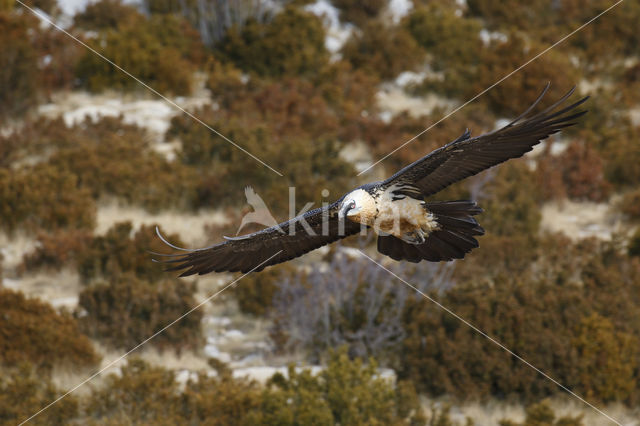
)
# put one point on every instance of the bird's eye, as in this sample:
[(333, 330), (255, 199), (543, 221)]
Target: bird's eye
[(353, 205)]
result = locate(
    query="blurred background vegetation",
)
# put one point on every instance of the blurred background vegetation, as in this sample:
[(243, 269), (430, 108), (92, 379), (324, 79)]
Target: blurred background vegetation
[(318, 97)]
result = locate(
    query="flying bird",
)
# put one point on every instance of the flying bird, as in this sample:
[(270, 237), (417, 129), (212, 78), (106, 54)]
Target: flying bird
[(408, 227)]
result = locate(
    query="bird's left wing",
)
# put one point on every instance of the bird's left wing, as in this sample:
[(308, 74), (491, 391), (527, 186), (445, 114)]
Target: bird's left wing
[(468, 156), (256, 251)]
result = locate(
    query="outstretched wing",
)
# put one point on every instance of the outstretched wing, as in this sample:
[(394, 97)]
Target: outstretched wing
[(270, 246), (468, 156)]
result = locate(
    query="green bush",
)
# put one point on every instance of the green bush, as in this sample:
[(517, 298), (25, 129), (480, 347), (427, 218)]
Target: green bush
[(32, 331), (127, 310), (382, 50), (291, 44)]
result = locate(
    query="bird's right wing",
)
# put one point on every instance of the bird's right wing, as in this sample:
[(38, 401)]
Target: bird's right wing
[(270, 246)]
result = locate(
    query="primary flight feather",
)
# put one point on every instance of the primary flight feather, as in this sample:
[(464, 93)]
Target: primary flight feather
[(408, 227)]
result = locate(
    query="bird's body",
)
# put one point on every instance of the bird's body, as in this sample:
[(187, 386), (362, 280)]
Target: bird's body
[(388, 213), (408, 227)]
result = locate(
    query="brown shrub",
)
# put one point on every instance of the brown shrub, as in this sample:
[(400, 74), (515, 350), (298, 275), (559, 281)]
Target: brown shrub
[(122, 251), (630, 204), (162, 51), (106, 14), (32, 331), (121, 163), (125, 311), (382, 50), (255, 292), (385, 137), (577, 173), (542, 316), (292, 43), (359, 12), (541, 413), (501, 58), (140, 394), (57, 249), (24, 391), (18, 64), (607, 359), (43, 197), (512, 201), (451, 40), (311, 164)]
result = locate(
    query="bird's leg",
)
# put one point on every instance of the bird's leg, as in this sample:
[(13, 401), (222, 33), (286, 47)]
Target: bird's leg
[(417, 236)]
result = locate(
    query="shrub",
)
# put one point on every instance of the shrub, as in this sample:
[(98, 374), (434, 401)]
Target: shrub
[(18, 64), (140, 394), (43, 197), (162, 51), (122, 251), (107, 14), (357, 306), (346, 392), (24, 391), (310, 164), (508, 15), (630, 204), (32, 331), (542, 414), (452, 40), (292, 43), (607, 359), (634, 244), (119, 161), (57, 249), (511, 202), (543, 314), (382, 50), (577, 173), (358, 12), (501, 58), (255, 293), (385, 137), (127, 310)]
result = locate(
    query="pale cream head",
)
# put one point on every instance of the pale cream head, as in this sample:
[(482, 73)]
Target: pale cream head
[(359, 206)]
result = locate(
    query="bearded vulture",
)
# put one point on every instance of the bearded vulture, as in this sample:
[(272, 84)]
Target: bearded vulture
[(408, 227)]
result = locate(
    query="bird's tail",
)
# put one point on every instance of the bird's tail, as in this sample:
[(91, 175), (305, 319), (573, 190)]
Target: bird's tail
[(452, 240)]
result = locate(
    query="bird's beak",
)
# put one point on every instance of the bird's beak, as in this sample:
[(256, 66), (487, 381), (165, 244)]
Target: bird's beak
[(346, 210)]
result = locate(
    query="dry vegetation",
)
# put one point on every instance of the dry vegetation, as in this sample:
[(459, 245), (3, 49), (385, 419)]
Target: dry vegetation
[(569, 306)]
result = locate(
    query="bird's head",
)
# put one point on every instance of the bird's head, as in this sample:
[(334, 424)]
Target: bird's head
[(358, 206)]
